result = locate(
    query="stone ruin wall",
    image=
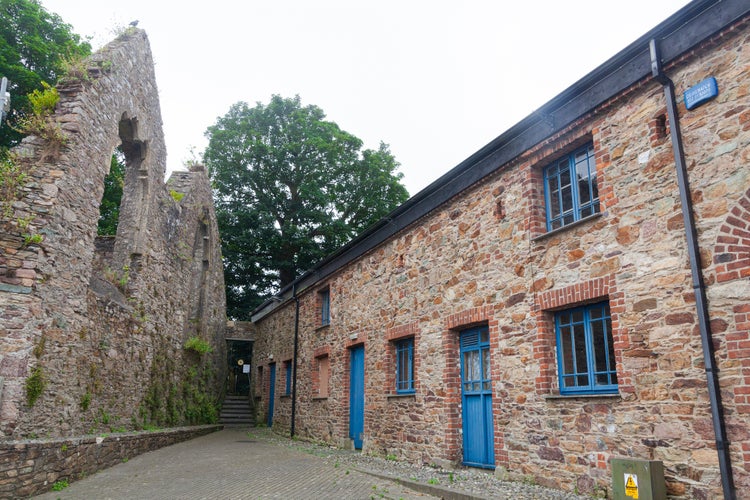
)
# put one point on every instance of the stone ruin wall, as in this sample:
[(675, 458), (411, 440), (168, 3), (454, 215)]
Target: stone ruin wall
[(103, 321)]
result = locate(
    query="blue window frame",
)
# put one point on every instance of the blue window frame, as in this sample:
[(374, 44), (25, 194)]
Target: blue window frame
[(325, 307), (288, 373), (585, 350), (570, 190), (405, 366)]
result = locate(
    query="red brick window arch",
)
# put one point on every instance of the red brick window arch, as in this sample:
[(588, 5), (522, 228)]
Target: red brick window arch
[(732, 250)]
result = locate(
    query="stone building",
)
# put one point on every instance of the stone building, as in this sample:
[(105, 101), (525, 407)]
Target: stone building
[(92, 329), (510, 318)]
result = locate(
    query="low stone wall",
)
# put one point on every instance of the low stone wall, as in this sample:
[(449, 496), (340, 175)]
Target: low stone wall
[(30, 467)]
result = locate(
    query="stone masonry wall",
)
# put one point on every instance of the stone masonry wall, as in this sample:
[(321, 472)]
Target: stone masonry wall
[(99, 325), (31, 467), (484, 258)]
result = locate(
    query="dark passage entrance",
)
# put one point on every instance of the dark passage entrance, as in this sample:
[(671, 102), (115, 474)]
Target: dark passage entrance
[(239, 354)]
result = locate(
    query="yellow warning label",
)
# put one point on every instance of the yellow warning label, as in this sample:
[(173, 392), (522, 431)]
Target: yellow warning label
[(631, 485)]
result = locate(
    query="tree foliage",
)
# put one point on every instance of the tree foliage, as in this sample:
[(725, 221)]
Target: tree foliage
[(35, 46), (290, 188), (109, 210)]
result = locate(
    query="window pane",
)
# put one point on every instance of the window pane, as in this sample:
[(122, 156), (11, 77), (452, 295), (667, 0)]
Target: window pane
[(566, 191), (595, 193), (554, 199), (325, 307), (584, 192), (484, 336), (567, 350), (600, 346), (471, 366), (577, 316), (596, 312), (486, 364), (585, 166), (579, 335)]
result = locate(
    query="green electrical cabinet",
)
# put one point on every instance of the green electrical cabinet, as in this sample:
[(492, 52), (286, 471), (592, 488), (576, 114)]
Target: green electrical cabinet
[(638, 479)]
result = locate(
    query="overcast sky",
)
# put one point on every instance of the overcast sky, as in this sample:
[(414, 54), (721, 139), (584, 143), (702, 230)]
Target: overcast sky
[(434, 79)]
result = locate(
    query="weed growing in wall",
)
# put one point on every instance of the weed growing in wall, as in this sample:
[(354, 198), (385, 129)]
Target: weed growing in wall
[(74, 70), (85, 401), (119, 279), (35, 384), (176, 195), (60, 485), (40, 122), (197, 344), (12, 177), (31, 239)]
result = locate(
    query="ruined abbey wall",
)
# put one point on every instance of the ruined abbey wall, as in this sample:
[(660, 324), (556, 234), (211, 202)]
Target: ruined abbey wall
[(92, 330)]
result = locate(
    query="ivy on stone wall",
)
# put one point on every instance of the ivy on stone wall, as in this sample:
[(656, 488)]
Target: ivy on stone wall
[(179, 393)]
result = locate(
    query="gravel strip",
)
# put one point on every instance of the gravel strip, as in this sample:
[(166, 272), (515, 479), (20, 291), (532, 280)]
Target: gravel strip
[(460, 483)]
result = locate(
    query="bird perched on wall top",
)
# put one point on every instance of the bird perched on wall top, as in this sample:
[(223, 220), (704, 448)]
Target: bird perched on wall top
[(134, 23)]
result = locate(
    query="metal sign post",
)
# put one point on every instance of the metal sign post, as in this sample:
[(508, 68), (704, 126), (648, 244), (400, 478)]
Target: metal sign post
[(4, 100)]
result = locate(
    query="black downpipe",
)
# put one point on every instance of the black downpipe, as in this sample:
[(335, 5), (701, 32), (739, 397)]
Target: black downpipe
[(699, 287), (294, 357)]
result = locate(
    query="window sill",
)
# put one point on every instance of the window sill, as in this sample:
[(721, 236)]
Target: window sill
[(286, 396), (400, 395), (320, 398), (564, 397), (322, 327), (566, 227)]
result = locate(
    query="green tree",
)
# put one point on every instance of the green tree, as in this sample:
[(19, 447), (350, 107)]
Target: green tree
[(34, 48), (290, 188), (109, 210)]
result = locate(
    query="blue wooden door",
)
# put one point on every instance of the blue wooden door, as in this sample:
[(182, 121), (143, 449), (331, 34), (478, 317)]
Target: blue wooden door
[(271, 391), (357, 396), (476, 398)]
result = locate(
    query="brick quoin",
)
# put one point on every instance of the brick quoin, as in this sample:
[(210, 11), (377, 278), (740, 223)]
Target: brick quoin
[(732, 249)]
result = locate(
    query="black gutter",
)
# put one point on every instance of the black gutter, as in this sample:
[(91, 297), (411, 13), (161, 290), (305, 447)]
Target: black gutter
[(699, 287), (686, 28), (294, 359)]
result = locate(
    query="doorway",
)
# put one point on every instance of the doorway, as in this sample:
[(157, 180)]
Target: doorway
[(239, 357), (476, 398), (271, 392), (357, 395)]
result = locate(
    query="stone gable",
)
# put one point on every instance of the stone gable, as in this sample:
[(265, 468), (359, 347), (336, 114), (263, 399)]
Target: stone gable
[(101, 323)]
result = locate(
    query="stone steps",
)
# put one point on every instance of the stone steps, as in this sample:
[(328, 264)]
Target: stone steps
[(236, 411)]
